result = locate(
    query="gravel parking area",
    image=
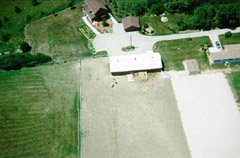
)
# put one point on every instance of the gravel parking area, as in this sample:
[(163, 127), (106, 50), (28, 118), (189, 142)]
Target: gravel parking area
[(121, 119), (210, 116)]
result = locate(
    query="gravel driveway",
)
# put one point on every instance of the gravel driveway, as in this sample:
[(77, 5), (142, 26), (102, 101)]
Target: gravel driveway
[(113, 42)]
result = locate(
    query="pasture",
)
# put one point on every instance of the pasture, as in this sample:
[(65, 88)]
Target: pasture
[(14, 23), (39, 110), (58, 36)]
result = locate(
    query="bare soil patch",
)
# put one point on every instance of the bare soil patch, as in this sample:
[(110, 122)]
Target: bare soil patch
[(124, 119)]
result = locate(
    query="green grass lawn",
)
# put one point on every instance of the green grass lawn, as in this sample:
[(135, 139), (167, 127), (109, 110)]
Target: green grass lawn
[(58, 36), (234, 79), (161, 28), (176, 51), (39, 111), (15, 25), (234, 39)]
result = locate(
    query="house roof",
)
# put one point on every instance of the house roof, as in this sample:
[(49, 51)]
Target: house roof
[(191, 66), (230, 52), (95, 5), (130, 21), (135, 62)]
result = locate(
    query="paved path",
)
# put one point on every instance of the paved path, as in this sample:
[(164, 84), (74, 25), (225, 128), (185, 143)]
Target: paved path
[(113, 42)]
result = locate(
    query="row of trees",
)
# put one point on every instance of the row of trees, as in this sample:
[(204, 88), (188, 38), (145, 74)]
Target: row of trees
[(18, 61), (204, 14)]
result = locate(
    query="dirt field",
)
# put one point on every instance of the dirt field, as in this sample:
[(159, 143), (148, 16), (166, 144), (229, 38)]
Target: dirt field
[(128, 120), (210, 116)]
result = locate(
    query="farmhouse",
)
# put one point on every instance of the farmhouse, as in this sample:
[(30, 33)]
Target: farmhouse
[(131, 23), (230, 54), (125, 64), (95, 10)]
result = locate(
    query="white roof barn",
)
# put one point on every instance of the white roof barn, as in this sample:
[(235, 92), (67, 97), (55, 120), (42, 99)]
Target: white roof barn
[(137, 62)]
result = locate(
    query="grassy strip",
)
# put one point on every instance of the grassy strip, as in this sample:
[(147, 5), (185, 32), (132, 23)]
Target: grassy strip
[(176, 51), (38, 116), (234, 79), (234, 39)]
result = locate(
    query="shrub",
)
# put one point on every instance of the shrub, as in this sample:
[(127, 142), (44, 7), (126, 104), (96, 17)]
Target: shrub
[(17, 9), (25, 47), (18, 61), (228, 34), (104, 22)]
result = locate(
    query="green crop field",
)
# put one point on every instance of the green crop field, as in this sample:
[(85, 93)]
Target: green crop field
[(39, 111), (176, 51)]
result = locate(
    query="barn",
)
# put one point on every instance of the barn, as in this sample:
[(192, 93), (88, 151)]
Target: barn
[(131, 23), (125, 64)]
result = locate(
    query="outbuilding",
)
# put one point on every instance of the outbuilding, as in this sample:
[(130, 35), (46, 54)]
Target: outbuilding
[(191, 67), (131, 23), (125, 64)]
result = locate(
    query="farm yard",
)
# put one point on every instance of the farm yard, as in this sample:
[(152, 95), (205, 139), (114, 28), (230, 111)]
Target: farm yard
[(39, 110), (58, 36), (128, 120), (176, 51)]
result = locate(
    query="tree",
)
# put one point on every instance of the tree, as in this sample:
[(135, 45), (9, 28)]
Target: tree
[(5, 37), (138, 7), (29, 17), (228, 15), (25, 47), (204, 17), (6, 19), (157, 8), (177, 6), (17, 9), (35, 2), (1, 23)]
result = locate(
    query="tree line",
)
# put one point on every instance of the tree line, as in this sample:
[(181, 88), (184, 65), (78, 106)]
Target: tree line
[(203, 14)]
